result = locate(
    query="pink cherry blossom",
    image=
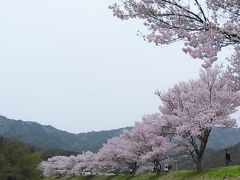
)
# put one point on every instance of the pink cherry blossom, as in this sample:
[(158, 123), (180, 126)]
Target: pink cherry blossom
[(193, 108), (205, 27)]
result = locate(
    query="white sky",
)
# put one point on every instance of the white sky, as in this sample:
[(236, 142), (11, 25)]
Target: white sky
[(72, 65)]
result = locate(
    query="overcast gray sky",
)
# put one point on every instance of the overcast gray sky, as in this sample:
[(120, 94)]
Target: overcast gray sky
[(72, 65)]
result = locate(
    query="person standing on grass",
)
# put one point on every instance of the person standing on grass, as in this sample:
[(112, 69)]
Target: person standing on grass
[(227, 157)]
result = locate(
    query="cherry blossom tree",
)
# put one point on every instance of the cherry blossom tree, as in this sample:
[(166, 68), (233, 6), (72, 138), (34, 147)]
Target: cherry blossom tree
[(118, 155), (57, 166), (152, 142), (204, 26), (193, 108), (139, 150), (69, 166), (85, 163)]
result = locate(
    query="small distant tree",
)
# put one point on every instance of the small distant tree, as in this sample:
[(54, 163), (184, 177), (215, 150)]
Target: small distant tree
[(193, 108), (58, 166)]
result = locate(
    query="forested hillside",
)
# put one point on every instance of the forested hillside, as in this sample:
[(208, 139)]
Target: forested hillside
[(47, 137)]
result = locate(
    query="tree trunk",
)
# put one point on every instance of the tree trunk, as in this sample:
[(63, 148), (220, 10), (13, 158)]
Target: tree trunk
[(199, 164), (202, 148)]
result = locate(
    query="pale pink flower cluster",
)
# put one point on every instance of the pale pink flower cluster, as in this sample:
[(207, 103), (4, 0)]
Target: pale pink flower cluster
[(205, 26), (234, 68)]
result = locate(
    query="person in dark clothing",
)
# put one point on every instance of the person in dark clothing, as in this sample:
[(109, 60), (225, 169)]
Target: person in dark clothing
[(227, 157), (169, 168), (157, 166)]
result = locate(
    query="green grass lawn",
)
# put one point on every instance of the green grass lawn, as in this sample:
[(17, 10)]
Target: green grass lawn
[(231, 173)]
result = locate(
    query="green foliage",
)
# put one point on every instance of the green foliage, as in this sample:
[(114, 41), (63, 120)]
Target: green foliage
[(233, 171), (18, 161)]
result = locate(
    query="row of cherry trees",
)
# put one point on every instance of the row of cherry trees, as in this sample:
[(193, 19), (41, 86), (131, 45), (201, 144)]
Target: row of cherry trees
[(138, 150), (188, 112)]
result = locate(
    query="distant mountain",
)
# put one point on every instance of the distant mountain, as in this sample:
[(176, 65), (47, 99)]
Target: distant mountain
[(221, 138), (47, 137)]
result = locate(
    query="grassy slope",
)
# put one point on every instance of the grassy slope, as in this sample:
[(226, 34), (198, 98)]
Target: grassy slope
[(231, 173)]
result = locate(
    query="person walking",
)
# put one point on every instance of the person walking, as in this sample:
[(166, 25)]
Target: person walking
[(227, 157)]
